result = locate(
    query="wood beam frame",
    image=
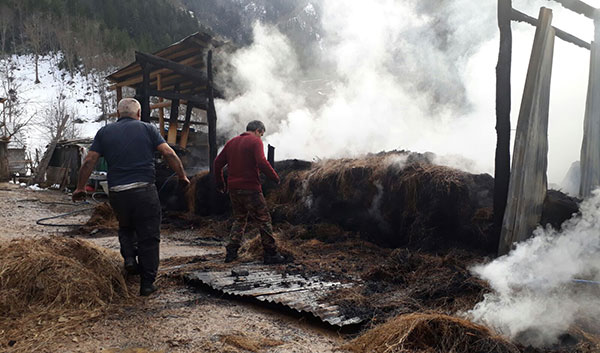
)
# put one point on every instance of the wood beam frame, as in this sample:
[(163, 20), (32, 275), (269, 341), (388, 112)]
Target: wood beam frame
[(579, 7), (172, 95), (521, 17), (193, 73)]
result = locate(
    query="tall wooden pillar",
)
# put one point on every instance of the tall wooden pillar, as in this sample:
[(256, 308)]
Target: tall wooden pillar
[(528, 181), (145, 92), (211, 117), (503, 105), (161, 111), (590, 146), (172, 136), (185, 130)]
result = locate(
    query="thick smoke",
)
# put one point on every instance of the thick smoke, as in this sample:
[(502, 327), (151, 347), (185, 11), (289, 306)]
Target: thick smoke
[(391, 74), (536, 296)]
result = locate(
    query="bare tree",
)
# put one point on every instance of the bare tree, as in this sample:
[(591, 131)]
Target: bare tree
[(59, 121), (14, 117), (33, 30), (6, 20)]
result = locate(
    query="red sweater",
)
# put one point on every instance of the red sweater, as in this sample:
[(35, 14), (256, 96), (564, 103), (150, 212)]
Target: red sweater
[(244, 155)]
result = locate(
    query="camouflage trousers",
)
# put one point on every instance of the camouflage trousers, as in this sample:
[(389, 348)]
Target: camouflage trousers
[(250, 204)]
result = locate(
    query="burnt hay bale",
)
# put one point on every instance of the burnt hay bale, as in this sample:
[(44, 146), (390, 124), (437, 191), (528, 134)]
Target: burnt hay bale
[(394, 199), (430, 333)]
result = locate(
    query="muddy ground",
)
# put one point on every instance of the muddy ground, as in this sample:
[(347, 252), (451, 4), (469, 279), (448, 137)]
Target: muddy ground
[(177, 319), (387, 283)]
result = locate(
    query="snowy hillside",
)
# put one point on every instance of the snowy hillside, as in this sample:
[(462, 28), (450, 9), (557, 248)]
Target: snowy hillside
[(81, 97)]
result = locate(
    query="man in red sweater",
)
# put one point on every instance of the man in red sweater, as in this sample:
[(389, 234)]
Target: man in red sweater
[(245, 156)]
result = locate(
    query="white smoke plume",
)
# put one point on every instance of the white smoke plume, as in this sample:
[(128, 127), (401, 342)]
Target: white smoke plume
[(392, 74), (536, 293)]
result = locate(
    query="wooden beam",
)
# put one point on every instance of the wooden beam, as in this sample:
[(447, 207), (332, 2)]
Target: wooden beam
[(119, 94), (146, 92), (211, 116), (185, 131), (161, 112), (171, 95), (179, 121), (176, 67), (271, 155), (521, 17), (578, 6), (172, 137), (138, 79), (503, 106)]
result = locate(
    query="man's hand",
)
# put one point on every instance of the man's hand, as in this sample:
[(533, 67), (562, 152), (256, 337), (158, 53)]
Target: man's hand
[(185, 182), (79, 195)]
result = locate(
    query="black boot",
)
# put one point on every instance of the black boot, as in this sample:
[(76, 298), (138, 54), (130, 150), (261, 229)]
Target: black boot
[(131, 266), (232, 253), (272, 258), (147, 289)]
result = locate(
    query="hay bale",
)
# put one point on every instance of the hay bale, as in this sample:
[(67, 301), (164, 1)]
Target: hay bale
[(430, 333), (57, 273), (394, 199)]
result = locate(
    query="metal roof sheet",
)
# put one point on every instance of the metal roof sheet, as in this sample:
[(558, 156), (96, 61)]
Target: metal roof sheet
[(307, 294)]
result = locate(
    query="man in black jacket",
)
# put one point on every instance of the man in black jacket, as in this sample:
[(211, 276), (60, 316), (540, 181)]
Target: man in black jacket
[(128, 147)]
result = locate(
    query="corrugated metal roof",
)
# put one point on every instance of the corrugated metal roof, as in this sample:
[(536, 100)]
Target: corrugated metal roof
[(299, 292)]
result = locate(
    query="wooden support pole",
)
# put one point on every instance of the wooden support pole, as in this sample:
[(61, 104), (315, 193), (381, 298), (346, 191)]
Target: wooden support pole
[(211, 117), (185, 131), (161, 111), (146, 93), (590, 146), (528, 180), (172, 137), (503, 106), (271, 155), (119, 94)]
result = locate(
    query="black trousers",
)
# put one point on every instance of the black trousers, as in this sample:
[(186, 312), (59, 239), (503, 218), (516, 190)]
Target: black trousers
[(139, 214)]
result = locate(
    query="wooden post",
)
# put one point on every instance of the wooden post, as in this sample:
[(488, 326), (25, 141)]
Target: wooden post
[(503, 105), (271, 155), (185, 131), (161, 111), (590, 146), (119, 94), (145, 92), (211, 117), (528, 180), (172, 138)]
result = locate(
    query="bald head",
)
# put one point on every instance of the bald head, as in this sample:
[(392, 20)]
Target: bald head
[(129, 107)]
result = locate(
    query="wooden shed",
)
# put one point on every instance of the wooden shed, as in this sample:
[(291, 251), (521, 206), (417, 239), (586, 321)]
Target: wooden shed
[(181, 74)]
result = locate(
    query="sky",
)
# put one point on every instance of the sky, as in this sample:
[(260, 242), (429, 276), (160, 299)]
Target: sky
[(391, 85)]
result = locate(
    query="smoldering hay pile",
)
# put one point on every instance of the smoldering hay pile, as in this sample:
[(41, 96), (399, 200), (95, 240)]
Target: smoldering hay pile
[(394, 199)]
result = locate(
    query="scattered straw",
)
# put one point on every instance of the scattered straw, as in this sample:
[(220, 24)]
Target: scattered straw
[(430, 333), (249, 343)]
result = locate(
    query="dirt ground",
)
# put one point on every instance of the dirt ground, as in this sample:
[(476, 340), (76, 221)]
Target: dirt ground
[(177, 318)]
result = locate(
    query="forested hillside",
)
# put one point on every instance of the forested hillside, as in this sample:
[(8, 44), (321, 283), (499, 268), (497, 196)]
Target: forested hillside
[(91, 32)]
